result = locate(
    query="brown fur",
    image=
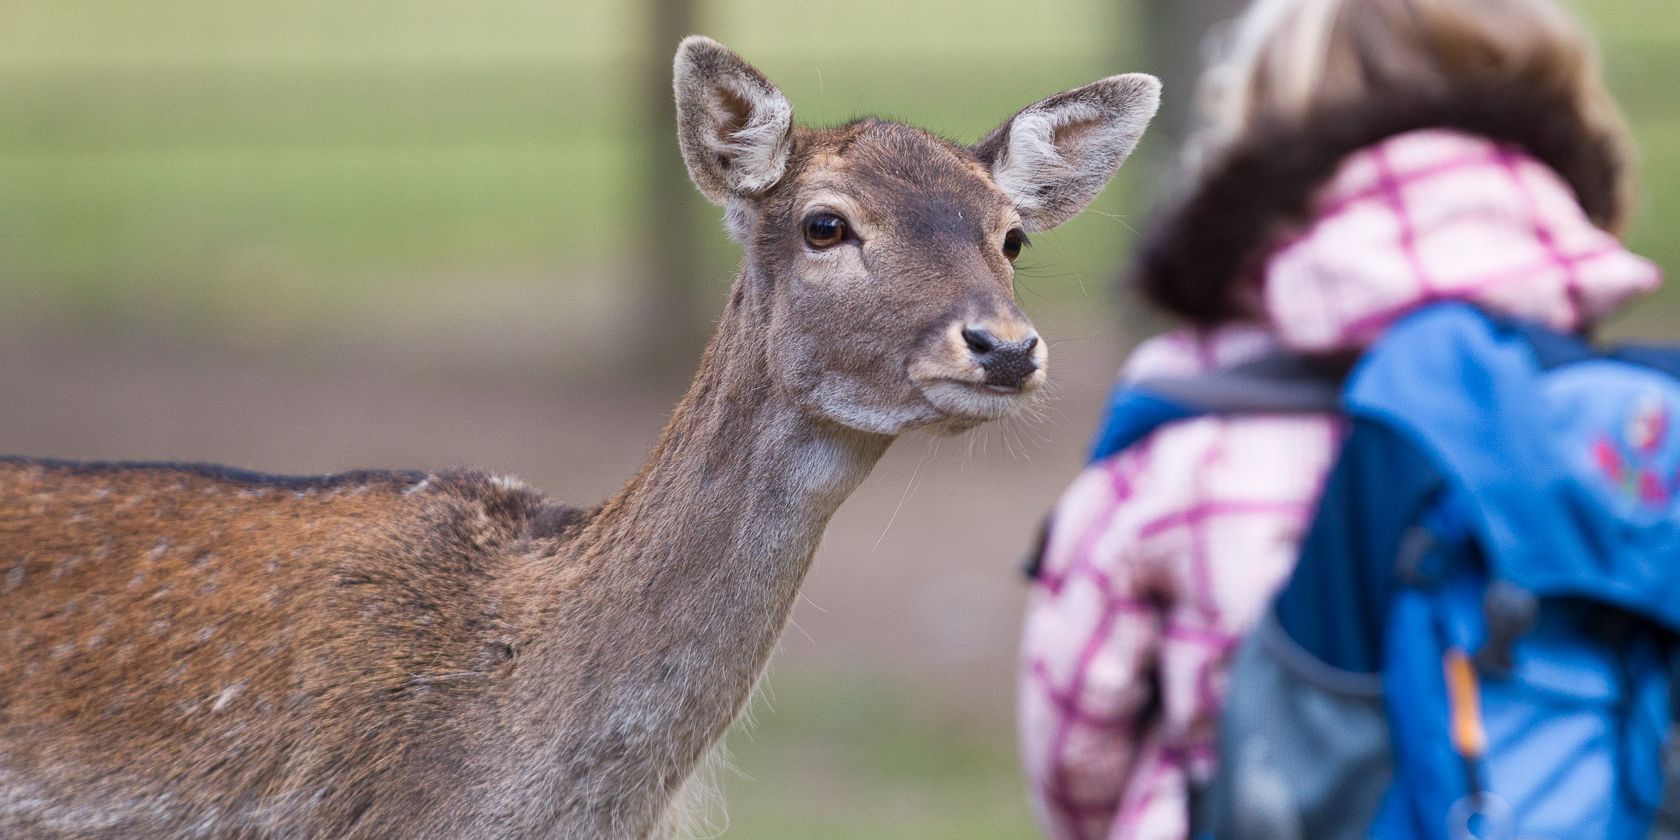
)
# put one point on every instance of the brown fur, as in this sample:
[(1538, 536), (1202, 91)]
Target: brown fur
[(195, 652)]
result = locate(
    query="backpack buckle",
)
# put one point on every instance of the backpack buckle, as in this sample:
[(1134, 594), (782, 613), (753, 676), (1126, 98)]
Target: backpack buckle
[(1032, 567), (1416, 561), (1511, 611)]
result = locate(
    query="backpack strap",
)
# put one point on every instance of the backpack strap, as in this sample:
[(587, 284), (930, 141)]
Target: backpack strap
[(1277, 383), (1666, 824), (1271, 384)]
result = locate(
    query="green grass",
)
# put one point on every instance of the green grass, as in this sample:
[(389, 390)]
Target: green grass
[(244, 167), (832, 758), (1639, 45)]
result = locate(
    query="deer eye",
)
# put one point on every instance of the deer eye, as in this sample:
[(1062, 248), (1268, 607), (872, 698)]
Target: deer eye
[(1012, 242), (824, 230)]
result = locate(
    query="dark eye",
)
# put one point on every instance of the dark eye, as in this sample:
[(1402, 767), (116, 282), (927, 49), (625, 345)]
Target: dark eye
[(1012, 242), (824, 230)]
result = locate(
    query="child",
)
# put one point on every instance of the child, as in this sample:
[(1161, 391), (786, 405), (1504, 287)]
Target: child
[(1364, 157)]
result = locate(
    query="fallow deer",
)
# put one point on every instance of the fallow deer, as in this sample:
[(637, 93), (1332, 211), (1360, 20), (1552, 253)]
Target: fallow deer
[(190, 651)]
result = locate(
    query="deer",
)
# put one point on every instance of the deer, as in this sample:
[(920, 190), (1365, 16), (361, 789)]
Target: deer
[(198, 651)]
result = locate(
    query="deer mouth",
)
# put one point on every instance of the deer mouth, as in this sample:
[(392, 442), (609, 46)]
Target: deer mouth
[(959, 399)]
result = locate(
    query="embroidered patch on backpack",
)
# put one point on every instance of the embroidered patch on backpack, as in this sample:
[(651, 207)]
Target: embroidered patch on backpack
[(1632, 456)]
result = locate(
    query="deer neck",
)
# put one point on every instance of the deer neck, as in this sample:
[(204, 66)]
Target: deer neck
[(726, 514), (681, 583)]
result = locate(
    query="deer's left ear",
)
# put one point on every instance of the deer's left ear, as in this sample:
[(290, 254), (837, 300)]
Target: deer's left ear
[(734, 126), (1054, 156)]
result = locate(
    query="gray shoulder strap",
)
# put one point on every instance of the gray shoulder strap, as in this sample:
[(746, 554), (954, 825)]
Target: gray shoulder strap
[(1280, 384)]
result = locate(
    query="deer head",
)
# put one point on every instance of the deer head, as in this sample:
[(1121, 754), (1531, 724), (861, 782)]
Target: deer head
[(883, 255)]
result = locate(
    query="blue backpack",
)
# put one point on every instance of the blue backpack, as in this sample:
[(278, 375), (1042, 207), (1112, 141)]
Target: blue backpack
[(1477, 639)]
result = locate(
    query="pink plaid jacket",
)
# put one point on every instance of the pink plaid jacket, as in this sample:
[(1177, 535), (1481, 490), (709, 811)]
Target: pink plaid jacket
[(1162, 556)]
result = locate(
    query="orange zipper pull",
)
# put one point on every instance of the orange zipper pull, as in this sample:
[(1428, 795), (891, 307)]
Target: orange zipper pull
[(1464, 702)]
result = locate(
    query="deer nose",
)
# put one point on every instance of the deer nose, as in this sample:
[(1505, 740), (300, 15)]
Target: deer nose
[(1007, 364)]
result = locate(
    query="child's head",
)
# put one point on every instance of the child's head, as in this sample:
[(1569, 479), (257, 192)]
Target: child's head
[(1290, 61), (1290, 57), (1304, 73)]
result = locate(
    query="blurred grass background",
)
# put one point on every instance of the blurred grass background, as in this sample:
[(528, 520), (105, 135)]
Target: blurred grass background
[(270, 172), (455, 185)]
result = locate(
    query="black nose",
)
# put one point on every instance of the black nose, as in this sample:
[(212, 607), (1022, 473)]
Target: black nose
[(1007, 363)]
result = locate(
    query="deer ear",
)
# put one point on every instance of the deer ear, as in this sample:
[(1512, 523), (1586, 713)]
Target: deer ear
[(735, 128), (1054, 156)]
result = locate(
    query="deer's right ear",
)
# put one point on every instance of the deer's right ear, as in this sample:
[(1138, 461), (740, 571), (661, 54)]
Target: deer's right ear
[(1055, 155), (735, 128)]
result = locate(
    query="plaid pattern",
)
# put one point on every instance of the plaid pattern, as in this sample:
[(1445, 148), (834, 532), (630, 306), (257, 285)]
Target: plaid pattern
[(1436, 215), (1162, 556)]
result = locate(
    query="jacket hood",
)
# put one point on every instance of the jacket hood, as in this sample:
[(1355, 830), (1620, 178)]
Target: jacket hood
[(1436, 215), (1205, 255)]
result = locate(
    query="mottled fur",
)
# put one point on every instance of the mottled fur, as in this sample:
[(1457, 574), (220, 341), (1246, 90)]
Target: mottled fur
[(198, 652)]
